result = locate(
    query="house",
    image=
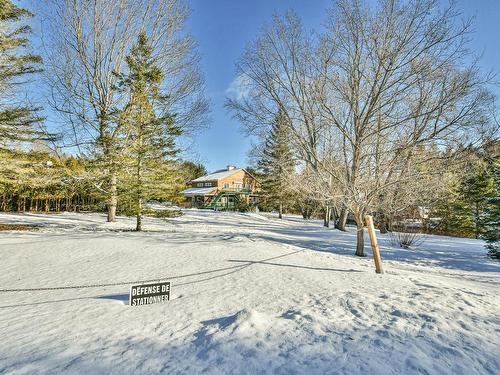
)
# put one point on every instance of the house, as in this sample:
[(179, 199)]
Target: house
[(219, 190)]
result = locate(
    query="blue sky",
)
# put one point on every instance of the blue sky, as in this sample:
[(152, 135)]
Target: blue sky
[(224, 27)]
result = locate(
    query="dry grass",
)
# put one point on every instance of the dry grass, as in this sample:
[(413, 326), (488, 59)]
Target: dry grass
[(4, 227)]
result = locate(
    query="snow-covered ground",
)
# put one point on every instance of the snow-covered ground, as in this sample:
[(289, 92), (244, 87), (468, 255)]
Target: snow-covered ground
[(251, 294)]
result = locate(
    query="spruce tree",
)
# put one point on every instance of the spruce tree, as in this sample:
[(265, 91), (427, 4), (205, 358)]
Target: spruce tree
[(491, 219), (149, 133), (16, 120), (193, 170), (475, 194), (462, 211), (277, 166)]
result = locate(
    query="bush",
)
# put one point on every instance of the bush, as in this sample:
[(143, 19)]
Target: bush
[(405, 236), (240, 204), (164, 214), (494, 252), (493, 245), (492, 234)]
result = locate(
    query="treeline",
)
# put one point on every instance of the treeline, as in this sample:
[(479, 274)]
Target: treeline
[(35, 181), (463, 205), (39, 182)]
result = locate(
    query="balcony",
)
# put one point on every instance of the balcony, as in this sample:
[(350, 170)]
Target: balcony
[(235, 190)]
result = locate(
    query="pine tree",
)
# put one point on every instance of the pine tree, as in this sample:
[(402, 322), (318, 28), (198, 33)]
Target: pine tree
[(149, 134), (462, 210), (277, 166), (193, 170), (491, 219), (16, 121), (477, 191)]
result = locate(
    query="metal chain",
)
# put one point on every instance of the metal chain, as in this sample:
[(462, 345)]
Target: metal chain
[(143, 281), (78, 286), (115, 284)]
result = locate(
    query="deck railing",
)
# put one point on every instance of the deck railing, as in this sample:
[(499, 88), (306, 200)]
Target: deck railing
[(234, 190)]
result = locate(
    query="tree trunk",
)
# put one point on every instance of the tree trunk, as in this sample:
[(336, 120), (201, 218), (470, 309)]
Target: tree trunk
[(280, 213), (383, 227), (382, 222), (360, 239), (476, 220), (139, 191), (138, 226), (326, 221), (333, 215), (112, 199), (342, 219)]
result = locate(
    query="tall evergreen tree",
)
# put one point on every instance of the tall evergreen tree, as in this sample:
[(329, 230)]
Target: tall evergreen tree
[(149, 135), (491, 219), (462, 210), (476, 193), (193, 170), (16, 120), (277, 166)]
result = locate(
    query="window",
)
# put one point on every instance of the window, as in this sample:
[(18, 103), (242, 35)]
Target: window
[(208, 184), (200, 184), (237, 186), (226, 185)]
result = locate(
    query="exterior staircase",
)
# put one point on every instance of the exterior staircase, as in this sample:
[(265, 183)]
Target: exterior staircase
[(215, 203)]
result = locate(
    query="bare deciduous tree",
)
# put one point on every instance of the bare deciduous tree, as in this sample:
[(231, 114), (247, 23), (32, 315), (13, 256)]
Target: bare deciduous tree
[(366, 96)]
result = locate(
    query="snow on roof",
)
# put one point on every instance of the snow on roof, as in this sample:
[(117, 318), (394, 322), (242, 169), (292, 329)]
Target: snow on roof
[(216, 175), (198, 191)]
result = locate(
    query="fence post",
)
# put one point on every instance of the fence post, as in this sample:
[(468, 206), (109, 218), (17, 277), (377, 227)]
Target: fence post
[(373, 240)]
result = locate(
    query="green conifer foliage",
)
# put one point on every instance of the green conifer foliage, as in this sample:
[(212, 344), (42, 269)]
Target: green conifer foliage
[(475, 195), (491, 219), (277, 166), (149, 133), (16, 120), (462, 210)]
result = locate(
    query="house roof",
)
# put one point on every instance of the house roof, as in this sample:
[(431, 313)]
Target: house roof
[(216, 175), (198, 191)]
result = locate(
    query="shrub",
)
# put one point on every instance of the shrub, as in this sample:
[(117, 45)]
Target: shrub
[(405, 236), (240, 204), (165, 214)]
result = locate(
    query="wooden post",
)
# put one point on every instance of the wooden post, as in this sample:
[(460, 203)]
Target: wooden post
[(373, 240)]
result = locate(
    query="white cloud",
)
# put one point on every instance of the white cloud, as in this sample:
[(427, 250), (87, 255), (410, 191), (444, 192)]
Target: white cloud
[(240, 87)]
